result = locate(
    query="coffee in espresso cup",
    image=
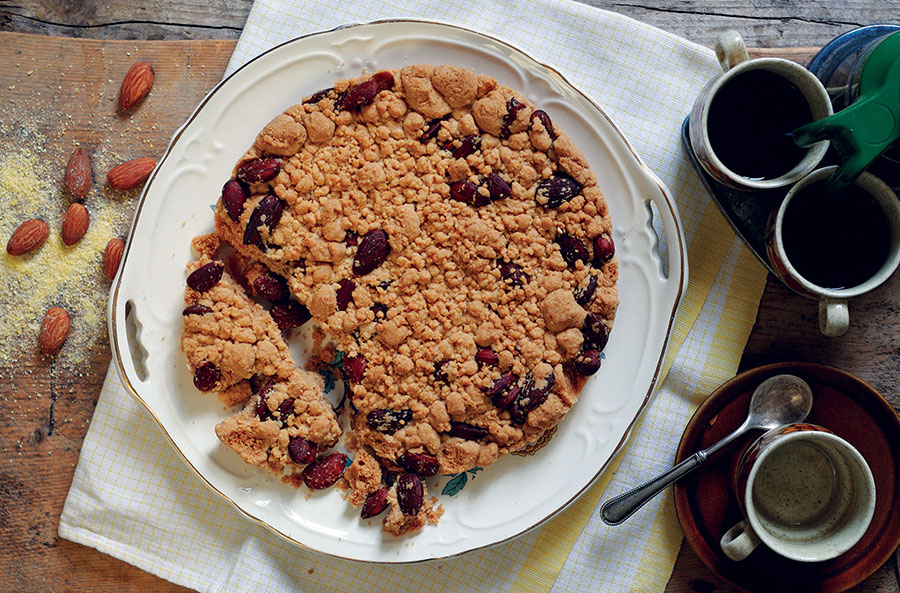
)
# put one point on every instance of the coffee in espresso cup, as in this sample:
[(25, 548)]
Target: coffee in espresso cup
[(805, 493), (742, 122)]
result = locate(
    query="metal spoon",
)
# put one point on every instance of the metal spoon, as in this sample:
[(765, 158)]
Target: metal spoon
[(779, 400)]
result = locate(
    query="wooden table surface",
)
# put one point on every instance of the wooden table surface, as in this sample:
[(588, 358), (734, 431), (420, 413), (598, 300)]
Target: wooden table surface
[(60, 67)]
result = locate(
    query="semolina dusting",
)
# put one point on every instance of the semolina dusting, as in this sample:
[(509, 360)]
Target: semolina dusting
[(54, 274)]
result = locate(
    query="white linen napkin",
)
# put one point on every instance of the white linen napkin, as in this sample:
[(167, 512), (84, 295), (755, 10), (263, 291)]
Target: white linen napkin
[(132, 497)]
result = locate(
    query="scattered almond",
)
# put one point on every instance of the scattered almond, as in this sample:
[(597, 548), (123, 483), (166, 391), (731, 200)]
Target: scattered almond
[(75, 223), (54, 330), (77, 180), (136, 85), (30, 235), (112, 256), (130, 174)]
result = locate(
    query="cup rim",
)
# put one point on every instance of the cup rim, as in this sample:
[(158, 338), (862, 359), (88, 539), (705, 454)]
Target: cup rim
[(868, 182), (774, 544), (814, 155)]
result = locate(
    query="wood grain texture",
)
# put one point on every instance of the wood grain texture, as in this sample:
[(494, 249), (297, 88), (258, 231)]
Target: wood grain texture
[(764, 23), (47, 408)]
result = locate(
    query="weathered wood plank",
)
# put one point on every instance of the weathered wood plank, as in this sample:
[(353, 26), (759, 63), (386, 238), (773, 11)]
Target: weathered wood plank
[(764, 23)]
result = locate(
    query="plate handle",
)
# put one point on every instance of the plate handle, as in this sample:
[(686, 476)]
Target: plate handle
[(676, 280), (129, 353)]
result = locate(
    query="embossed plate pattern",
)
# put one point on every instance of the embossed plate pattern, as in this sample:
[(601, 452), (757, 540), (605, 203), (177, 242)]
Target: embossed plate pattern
[(514, 494)]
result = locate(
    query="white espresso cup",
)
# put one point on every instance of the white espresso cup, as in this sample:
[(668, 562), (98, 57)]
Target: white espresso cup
[(705, 142), (805, 493), (834, 314)]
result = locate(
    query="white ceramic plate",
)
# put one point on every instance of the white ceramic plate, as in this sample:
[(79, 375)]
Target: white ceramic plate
[(514, 494)]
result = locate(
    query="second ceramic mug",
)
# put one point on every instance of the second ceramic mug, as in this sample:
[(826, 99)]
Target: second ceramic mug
[(834, 315), (806, 493), (735, 63)]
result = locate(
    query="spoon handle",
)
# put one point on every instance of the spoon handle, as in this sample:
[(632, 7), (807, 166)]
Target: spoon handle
[(615, 510)]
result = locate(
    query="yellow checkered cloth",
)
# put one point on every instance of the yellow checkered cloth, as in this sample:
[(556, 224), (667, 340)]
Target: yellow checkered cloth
[(133, 497)]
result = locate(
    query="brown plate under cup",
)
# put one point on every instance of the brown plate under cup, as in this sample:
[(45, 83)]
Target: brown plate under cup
[(707, 507)]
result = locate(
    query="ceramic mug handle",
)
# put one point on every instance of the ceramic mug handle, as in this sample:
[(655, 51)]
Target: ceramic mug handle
[(834, 316), (739, 541), (730, 50)]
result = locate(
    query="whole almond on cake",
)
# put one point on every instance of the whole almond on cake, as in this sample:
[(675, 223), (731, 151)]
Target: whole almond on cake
[(130, 174), (75, 223), (54, 330), (136, 85), (29, 235), (77, 180)]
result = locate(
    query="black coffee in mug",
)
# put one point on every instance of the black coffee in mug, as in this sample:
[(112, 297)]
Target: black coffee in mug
[(835, 239), (750, 123)]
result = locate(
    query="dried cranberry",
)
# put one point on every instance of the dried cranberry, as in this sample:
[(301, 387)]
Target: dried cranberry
[(432, 130), (468, 145), (362, 94), (290, 315), (345, 293), (354, 368), (584, 295), (554, 191), (372, 251), (324, 471), (464, 191), (541, 115), (375, 504), (196, 310), (206, 376), (267, 213), (259, 170), (572, 249), (497, 187), (512, 273), (384, 79), (588, 362), (604, 249), (501, 384), (301, 451), (439, 375), (410, 494), (286, 408), (388, 421), (351, 238), (234, 194), (379, 309), (530, 397), (487, 356), (504, 400), (318, 96), (205, 277), (467, 431), (421, 464), (271, 287), (262, 406), (595, 332), (513, 107)]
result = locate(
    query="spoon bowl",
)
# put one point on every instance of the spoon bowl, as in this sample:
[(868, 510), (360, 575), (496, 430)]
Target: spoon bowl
[(777, 401)]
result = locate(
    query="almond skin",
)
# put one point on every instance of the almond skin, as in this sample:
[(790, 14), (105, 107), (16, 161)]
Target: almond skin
[(75, 223), (112, 256), (130, 174), (54, 330), (77, 180), (30, 235), (136, 85)]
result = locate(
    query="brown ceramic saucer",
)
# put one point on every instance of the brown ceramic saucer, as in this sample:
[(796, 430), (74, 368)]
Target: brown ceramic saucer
[(706, 505)]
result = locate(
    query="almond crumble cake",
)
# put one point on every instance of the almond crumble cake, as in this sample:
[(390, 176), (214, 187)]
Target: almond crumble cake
[(450, 243)]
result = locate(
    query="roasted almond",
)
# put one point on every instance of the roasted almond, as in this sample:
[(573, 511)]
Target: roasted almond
[(112, 256), (30, 235), (130, 174), (54, 330), (75, 223), (77, 180), (136, 85)]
